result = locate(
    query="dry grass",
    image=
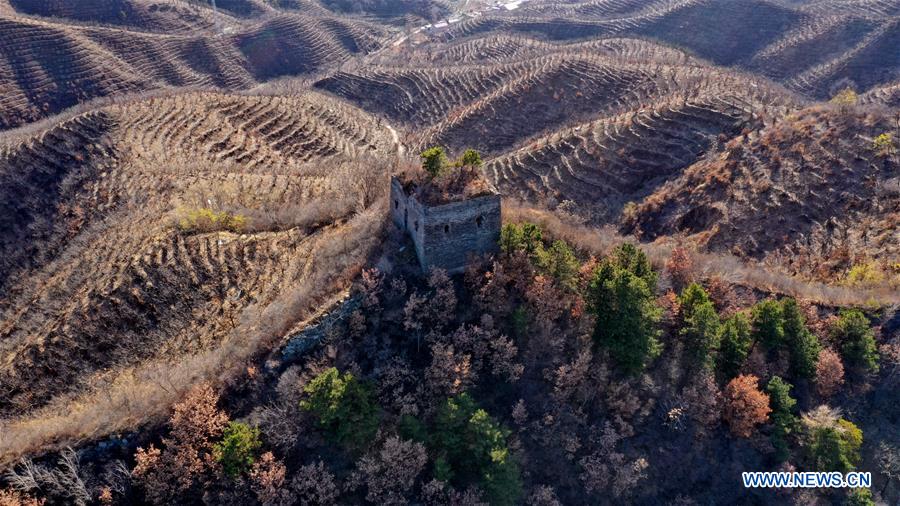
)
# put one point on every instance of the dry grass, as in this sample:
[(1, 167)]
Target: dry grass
[(142, 394), (152, 49), (600, 241), (807, 193), (143, 309)]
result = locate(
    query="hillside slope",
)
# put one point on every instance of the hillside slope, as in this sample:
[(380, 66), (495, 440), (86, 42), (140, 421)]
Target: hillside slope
[(597, 123), (811, 47), (47, 65), (105, 263), (834, 199), (512, 89)]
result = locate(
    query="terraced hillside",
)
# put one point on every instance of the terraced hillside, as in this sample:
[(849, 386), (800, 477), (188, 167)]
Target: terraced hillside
[(142, 14), (811, 47), (603, 164), (494, 106), (886, 95), (111, 257), (506, 48), (598, 123), (606, 126), (809, 191), (47, 65), (425, 9), (136, 15)]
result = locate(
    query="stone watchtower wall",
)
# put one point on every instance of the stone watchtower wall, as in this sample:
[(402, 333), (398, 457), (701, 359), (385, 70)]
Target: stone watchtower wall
[(446, 235)]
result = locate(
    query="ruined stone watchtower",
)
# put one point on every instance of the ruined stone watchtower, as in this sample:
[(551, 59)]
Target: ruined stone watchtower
[(448, 229)]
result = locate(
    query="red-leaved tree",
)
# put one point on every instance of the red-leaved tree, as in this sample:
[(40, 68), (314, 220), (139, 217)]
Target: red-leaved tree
[(829, 373), (745, 405)]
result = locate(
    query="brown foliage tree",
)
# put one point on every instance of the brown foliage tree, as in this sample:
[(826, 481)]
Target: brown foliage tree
[(267, 482), (186, 459), (105, 496), (829, 373), (442, 303), (485, 347), (491, 294), (439, 493), (503, 359), (608, 469), (391, 472), (570, 380), (372, 284), (723, 296), (314, 485), (195, 424), (520, 271), (890, 361), (680, 267), (623, 399), (703, 400), (745, 405), (356, 324), (520, 413), (397, 288), (413, 312), (450, 372), (543, 495), (547, 302), (399, 387)]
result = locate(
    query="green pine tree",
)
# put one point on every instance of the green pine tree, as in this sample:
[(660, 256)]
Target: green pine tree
[(532, 237), (859, 497), (836, 448), (627, 317), (782, 416), (735, 344), (633, 259), (471, 446), (692, 297), (702, 330), (434, 161), (559, 262), (803, 344), (470, 158), (511, 239), (857, 340), (768, 324), (344, 407), (237, 449)]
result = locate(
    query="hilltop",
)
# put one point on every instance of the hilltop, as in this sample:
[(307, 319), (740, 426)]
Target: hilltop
[(52, 58), (152, 230), (809, 46)]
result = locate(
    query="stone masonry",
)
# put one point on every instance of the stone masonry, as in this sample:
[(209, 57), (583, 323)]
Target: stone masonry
[(446, 235)]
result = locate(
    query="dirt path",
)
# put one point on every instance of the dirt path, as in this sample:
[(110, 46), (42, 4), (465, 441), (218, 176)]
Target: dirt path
[(401, 149)]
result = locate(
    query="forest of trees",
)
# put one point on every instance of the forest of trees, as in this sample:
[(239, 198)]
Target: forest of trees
[(543, 376)]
